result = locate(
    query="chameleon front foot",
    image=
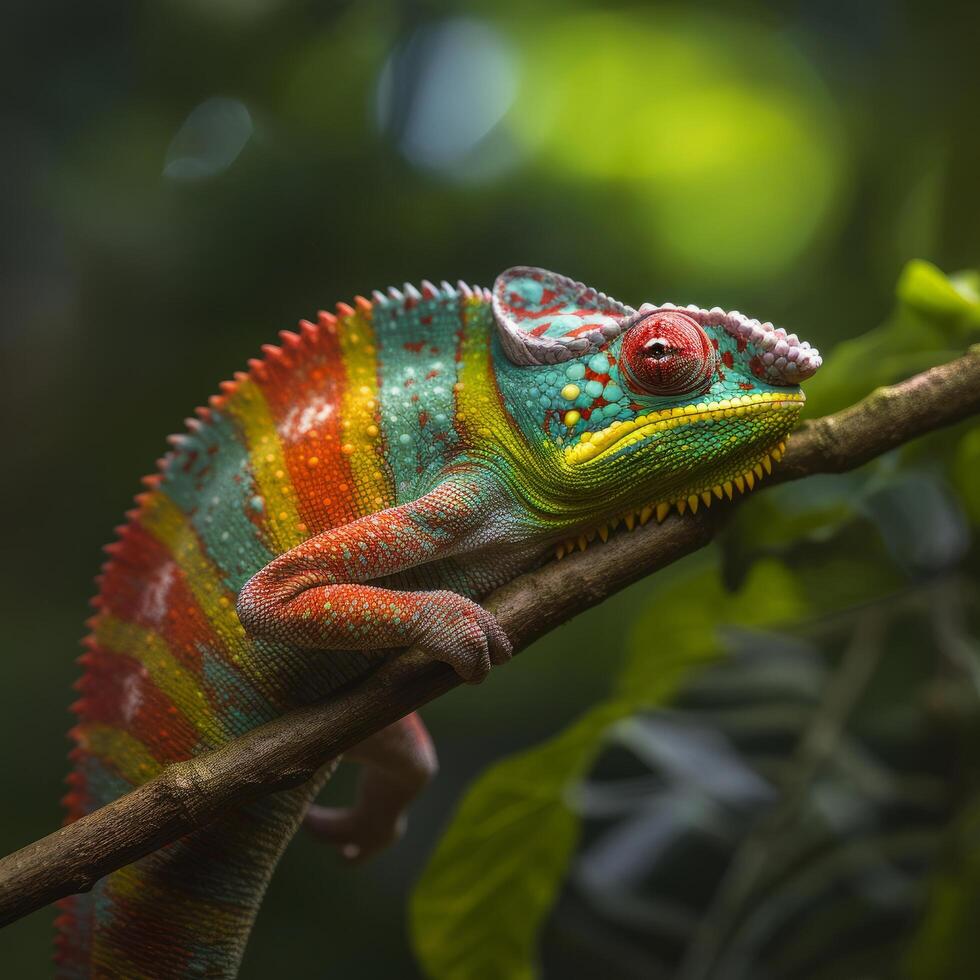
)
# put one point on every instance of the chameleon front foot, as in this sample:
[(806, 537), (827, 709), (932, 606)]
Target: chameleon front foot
[(461, 633), (319, 596)]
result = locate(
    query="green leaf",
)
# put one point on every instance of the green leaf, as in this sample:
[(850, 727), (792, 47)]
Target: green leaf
[(924, 288), (902, 346), (684, 623), (476, 911), (927, 329)]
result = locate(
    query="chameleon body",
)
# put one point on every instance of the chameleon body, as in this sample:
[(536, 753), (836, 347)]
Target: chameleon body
[(354, 492)]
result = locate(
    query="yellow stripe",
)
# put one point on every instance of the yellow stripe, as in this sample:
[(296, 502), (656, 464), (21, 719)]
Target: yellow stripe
[(282, 521), (173, 530), (134, 890), (111, 961), (478, 407), (124, 752), (212, 921), (181, 686), (362, 445), (168, 524)]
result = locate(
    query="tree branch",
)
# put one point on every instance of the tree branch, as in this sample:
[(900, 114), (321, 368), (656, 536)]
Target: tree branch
[(289, 751)]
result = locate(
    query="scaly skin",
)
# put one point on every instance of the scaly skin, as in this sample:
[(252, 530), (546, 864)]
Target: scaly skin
[(356, 491)]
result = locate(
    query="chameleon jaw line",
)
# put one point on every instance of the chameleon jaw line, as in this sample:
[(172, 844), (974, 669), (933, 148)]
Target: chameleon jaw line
[(742, 483), (618, 435)]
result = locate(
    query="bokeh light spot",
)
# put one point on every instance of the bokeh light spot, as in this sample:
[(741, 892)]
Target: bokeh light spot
[(209, 140), (442, 91)]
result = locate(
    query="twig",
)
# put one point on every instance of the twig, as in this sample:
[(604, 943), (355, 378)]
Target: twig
[(288, 751)]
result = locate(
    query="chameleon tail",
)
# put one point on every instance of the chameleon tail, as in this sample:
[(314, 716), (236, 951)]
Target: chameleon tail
[(168, 674), (192, 903)]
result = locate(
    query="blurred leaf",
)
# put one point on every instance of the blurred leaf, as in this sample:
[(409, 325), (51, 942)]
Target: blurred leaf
[(945, 944), (924, 331), (494, 876), (924, 288), (966, 473), (841, 581), (699, 755), (818, 878), (784, 519), (919, 520), (686, 621), (904, 345)]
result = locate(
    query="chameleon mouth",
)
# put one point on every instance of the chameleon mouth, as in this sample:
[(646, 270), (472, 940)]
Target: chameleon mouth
[(742, 483), (620, 435)]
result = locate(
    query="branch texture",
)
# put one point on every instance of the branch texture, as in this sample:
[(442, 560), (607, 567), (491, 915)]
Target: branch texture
[(290, 750)]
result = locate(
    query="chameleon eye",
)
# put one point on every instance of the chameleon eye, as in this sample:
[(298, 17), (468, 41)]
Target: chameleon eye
[(667, 353)]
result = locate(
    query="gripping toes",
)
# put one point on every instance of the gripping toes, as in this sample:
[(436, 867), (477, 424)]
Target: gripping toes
[(358, 836), (464, 635)]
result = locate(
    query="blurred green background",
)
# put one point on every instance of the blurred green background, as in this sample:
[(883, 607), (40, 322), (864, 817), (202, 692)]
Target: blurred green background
[(181, 179)]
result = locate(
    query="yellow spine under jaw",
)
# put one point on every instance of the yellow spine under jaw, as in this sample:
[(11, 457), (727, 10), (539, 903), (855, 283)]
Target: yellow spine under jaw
[(621, 434), (635, 518)]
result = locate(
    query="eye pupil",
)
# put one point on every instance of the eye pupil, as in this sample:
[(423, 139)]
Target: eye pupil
[(657, 350)]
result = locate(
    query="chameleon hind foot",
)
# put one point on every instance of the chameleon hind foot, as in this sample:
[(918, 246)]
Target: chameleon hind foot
[(399, 761), (357, 835)]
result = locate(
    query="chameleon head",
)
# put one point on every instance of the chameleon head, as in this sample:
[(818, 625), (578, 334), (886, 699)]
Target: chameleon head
[(650, 408)]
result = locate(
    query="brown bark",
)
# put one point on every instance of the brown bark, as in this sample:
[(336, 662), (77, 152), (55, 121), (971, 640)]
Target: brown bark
[(289, 750)]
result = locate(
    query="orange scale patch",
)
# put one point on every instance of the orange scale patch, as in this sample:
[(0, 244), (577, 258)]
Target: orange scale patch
[(305, 407)]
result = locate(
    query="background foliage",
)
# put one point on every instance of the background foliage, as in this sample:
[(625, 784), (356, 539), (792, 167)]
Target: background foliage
[(181, 179), (763, 794)]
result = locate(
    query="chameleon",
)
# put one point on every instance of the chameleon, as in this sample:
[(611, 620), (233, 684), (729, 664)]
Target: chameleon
[(357, 490)]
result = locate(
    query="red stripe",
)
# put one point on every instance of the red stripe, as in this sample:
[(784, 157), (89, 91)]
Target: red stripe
[(305, 402), (118, 691), (144, 563)]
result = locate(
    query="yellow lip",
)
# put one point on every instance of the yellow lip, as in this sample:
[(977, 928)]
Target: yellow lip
[(622, 434), (741, 483)]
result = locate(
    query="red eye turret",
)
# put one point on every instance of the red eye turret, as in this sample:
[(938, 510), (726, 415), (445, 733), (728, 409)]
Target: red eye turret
[(667, 353)]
